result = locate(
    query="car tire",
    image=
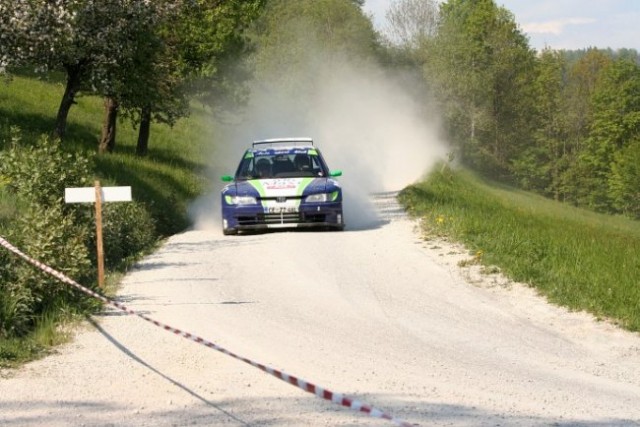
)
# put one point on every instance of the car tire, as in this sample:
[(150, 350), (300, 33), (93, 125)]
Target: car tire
[(229, 231)]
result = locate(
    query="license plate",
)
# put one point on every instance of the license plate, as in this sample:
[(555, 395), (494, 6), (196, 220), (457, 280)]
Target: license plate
[(280, 209)]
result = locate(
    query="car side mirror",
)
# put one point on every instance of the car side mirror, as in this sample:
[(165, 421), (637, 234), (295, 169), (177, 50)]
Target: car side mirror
[(335, 173), (226, 178)]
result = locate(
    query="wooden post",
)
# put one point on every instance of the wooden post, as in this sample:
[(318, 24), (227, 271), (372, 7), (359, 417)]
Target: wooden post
[(97, 195), (99, 235)]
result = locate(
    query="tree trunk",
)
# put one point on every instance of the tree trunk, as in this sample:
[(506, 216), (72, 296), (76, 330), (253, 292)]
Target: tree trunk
[(68, 99), (108, 137), (143, 133)]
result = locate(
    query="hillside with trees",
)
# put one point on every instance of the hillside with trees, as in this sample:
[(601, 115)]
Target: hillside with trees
[(564, 124)]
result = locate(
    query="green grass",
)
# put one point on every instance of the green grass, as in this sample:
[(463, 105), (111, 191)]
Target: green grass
[(166, 180), (51, 330), (577, 258)]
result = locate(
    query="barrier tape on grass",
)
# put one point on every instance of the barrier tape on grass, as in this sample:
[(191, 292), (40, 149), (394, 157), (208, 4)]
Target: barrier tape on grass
[(325, 394)]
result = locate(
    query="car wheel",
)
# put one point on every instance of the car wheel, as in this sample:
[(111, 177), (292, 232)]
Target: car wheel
[(229, 231)]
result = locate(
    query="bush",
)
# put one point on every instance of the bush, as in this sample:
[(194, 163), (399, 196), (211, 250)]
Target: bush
[(128, 230), (44, 228), (58, 241), (15, 300), (62, 236), (41, 172)]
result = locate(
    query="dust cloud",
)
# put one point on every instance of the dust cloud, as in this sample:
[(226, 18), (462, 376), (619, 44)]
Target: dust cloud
[(371, 125)]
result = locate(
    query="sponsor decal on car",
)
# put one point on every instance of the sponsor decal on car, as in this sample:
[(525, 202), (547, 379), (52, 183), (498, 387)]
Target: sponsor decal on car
[(281, 184), (281, 187)]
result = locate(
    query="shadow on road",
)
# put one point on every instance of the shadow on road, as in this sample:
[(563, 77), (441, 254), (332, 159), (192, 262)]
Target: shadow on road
[(133, 356)]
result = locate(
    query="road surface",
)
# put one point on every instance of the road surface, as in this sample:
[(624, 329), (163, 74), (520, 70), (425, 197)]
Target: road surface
[(377, 314)]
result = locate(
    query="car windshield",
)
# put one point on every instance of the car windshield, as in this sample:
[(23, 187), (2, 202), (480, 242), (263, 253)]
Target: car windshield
[(281, 163)]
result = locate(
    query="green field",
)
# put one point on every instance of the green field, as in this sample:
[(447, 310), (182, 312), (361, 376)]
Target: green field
[(576, 258), (167, 179)]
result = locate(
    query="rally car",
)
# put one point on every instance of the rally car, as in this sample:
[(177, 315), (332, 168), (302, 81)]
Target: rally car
[(282, 183)]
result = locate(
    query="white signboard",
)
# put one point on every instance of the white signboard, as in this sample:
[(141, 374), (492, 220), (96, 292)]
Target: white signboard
[(88, 194)]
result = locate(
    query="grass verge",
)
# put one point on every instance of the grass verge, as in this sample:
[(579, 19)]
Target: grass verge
[(166, 180), (170, 177), (576, 258)]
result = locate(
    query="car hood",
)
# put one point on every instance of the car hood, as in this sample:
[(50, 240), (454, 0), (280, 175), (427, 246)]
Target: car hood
[(282, 187)]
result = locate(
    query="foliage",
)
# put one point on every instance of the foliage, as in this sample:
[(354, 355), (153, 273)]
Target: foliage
[(42, 172), (615, 125), (539, 165), (294, 37), (557, 122), (15, 313), (624, 181), (89, 40), (210, 39), (412, 23), (188, 50), (148, 56), (481, 68), (37, 175), (34, 170), (128, 231), (61, 236), (57, 240)]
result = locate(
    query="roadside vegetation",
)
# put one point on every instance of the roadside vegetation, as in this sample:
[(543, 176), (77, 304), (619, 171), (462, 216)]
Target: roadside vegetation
[(574, 257), (125, 92), (35, 169)]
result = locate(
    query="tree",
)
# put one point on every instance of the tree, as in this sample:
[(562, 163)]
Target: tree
[(145, 57), (134, 74), (298, 40), (614, 132), (411, 23), (187, 54), (86, 39), (297, 35), (539, 166), (624, 181), (41, 34), (584, 71), (481, 68)]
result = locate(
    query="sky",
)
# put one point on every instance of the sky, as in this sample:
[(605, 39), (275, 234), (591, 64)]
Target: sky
[(563, 24)]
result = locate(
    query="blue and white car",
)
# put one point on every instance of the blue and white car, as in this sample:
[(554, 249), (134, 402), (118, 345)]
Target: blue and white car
[(282, 183)]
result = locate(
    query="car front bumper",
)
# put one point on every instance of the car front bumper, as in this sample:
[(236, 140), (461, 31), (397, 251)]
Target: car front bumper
[(309, 215)]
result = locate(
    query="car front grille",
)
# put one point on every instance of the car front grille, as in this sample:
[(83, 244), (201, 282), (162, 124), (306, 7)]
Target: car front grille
[(248, 220), (314, 218), (281, 218)]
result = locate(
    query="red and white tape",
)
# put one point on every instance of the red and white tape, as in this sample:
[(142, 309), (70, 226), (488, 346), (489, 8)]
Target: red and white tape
[(323, 393)]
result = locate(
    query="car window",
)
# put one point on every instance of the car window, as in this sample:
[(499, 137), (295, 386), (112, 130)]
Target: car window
[(277, 164)]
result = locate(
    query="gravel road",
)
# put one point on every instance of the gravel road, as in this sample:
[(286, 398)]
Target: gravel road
[(376, 313)]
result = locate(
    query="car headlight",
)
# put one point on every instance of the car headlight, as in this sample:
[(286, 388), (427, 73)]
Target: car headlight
[(322, 197), (240, 200)]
